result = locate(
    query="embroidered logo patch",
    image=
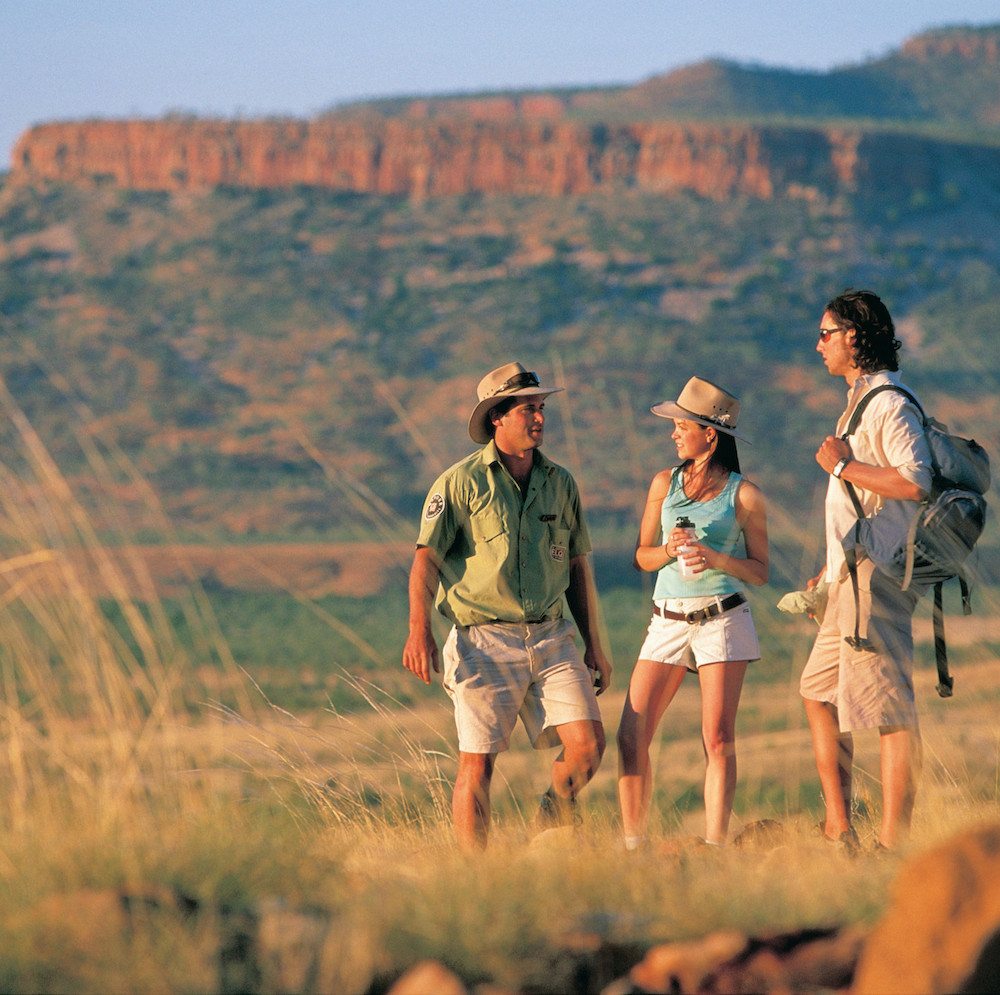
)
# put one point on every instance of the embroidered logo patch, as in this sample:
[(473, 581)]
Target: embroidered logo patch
[(558, 553), (434, 507)]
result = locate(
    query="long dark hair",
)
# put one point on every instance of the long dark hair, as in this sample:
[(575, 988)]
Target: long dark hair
[(725, 456)]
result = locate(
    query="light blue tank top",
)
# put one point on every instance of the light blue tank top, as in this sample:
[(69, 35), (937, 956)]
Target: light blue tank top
[(715, 526)]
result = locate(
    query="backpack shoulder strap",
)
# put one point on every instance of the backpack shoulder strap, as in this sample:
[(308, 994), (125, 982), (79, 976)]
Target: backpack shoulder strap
[(946, 683), (852, 425)]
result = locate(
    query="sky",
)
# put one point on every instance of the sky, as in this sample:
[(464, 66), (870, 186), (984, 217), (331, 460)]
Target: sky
[(76, 59)]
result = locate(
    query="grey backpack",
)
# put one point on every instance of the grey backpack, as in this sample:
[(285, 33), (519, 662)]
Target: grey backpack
[(942, 534)]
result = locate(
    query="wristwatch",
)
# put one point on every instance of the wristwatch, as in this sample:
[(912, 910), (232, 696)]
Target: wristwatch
[(841, 463)]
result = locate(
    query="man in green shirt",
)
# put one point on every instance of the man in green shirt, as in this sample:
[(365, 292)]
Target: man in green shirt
[(502, 541)]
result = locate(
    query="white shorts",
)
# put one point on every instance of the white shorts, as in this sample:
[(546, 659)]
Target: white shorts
[(727, 637), (498, 671)]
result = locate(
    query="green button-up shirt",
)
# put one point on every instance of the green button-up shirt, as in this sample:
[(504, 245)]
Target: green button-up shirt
[(503, 559)]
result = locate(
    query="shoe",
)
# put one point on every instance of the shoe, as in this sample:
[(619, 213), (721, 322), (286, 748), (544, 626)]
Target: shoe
[(765, 834), (847, 841), (555, 812)]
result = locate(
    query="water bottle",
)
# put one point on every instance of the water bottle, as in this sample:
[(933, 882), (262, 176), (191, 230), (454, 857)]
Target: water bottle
[(686, 569)]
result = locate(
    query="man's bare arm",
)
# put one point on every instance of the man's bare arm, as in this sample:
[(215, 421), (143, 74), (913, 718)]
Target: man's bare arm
[(420, 654), (886, 481), (581, 596)]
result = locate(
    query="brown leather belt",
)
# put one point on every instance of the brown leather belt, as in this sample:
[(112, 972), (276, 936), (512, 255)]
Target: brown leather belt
[(701, 614)]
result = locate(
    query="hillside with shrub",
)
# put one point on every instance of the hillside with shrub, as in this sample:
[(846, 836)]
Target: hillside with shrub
[(297, 362)]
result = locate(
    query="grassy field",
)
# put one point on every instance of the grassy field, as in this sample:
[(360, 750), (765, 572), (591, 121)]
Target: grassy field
[(173, 825), (208, 819), (201, 792)]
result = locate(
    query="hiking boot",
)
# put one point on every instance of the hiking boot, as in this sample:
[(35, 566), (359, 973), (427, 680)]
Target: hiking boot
[(847, 841), (555, 812)]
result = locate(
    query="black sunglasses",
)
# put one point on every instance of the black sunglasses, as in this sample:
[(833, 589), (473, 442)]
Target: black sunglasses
[(519, 380)]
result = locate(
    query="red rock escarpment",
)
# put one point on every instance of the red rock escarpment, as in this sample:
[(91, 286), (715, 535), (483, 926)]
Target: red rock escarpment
[(438, 157)]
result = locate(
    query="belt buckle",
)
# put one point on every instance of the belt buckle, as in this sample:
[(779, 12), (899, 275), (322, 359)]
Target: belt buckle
[(704, 614)]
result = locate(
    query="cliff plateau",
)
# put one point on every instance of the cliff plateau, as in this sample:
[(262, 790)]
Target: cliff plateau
[(442, 157)]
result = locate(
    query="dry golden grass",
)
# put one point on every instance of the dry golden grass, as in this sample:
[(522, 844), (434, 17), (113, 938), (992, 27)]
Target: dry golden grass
[(123, 774), (344, 818), (398, 752)]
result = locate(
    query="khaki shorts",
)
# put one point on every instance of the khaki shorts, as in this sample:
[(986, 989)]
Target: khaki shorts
[(722, 639), (870, 688), (499, 671)]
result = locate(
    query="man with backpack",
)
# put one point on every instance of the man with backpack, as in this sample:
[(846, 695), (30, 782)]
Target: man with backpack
[(859, 674)]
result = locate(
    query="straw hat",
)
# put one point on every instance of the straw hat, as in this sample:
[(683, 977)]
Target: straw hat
[(702, 402), (510, 380)]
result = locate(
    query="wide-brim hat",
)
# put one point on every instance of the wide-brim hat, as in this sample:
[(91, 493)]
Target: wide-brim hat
[(703, 402), (509, 380)]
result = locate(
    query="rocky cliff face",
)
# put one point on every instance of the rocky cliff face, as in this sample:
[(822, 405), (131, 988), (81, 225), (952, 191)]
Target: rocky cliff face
[(499, 153)]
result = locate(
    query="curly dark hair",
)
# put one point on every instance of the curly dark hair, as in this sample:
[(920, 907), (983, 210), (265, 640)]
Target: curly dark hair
[(875, 344)]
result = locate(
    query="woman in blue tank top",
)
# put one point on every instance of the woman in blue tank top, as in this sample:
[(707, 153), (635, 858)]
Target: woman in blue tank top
[(701, 622)]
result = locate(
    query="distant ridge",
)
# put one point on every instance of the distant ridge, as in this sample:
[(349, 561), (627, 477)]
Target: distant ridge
[(944, 76), (717, 129)]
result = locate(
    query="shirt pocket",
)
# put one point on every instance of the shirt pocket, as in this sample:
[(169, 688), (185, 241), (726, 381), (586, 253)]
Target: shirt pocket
[(487, 527), (559, 544), (491, 543)]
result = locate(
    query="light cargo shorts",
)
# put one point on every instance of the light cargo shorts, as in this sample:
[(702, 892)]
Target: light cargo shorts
[(871, 688), (501, 670)]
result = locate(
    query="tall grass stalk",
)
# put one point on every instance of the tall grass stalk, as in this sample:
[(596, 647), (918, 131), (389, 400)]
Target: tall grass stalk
[(92, 712)]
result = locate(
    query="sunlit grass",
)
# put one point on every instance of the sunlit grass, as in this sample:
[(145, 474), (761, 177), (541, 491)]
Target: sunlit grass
[(166, 827)]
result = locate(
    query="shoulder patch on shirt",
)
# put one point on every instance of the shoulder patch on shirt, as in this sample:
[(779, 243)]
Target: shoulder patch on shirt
[(435, 505)]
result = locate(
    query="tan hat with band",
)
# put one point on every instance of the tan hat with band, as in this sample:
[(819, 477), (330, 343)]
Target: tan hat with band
[(703, 402), (510, 380)]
